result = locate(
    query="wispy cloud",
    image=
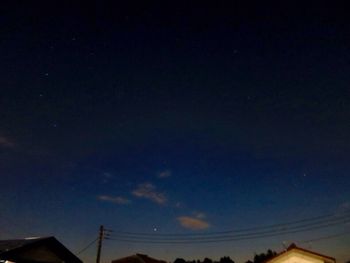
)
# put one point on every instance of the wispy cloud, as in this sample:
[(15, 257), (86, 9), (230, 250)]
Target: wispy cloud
[(148, 191), (164, 174), (193, 223), (345, 205), (6, 142), (199, 215), (106, 177), (178, 205), (114, 199)]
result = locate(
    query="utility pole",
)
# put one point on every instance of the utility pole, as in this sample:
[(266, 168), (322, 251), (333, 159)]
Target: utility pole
[(99, 246)]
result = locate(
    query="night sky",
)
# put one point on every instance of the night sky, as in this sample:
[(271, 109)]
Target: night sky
[(174, 118)]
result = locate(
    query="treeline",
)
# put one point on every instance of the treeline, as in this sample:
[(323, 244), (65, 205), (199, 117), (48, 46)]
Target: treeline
[(258, 258), (206, 260)]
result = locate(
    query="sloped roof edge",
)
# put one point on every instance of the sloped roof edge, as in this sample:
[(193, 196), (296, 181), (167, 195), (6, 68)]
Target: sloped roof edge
[(293, 247), (142, 258), (9, 248)]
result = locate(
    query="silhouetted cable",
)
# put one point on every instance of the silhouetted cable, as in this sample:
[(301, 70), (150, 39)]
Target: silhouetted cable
[(87, 246), (285, 228), (226, 239), (325, 237), (239, 234), (313, 220)]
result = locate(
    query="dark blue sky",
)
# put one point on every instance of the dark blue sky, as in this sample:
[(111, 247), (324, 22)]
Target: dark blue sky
[(173, 119)]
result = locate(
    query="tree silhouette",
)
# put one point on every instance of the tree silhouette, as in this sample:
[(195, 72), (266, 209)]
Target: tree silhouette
[(226, 260), (180, 260), (207, 260), (261, 258)]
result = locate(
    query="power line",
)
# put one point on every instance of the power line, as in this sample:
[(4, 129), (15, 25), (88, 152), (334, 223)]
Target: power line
[(87, 246), (240, 233), (289, 228), (215, 240), (248, 236), (325, 237), (318, 219)]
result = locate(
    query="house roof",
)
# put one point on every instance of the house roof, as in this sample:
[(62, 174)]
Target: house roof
[(294, 248), (41, 249), (6, 245), (138, 258)]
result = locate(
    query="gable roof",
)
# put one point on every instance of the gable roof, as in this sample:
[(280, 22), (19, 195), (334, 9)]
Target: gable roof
[(36, 250), (138, 258), (294, 248), (6, 245)]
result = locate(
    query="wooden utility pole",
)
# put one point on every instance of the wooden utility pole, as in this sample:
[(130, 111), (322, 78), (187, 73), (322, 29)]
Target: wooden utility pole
[(99, 245)]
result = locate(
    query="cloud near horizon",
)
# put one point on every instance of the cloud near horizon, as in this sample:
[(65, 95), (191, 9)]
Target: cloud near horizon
[(193, 223), (114, 199), (148, 191)]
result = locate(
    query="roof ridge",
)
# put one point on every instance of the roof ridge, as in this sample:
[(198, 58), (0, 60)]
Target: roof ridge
[(140, 257), (293, 246)]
